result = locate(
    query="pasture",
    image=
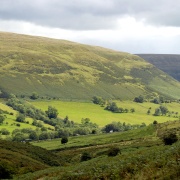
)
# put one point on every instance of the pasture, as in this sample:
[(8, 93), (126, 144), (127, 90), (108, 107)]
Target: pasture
[(78, 110)]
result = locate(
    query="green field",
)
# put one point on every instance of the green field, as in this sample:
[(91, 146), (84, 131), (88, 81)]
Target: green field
[(78, 110)]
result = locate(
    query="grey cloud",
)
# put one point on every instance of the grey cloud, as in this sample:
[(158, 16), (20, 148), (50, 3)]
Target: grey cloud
[(90, 14)]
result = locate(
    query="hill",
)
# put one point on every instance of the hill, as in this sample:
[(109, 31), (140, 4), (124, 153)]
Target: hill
[(169, 63), (142, 156), (20, 158), (68, 70)]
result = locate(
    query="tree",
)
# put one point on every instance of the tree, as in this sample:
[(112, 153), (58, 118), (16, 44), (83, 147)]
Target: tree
[(157, 112), (85, 156), (155, 122), (33, 135), (64, 140), (149, 111), (4, 131), (52, 112), (20, 118), (132, 110), (114, 151), (111, 127), (170, 138), (98, 100), (2, 118), (34, 96), (139, 99), (164, 110)]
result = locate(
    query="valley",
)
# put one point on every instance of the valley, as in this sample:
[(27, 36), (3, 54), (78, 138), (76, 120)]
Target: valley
[(75, 111)]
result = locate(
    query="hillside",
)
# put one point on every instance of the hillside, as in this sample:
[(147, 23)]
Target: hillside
[(169, 63), (20, 158), (68, 70)]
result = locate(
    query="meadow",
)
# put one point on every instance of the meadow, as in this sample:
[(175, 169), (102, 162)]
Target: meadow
[(78, 110)]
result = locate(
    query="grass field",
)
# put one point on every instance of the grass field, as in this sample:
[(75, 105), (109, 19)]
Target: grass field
[(93, 140), (78, 110)]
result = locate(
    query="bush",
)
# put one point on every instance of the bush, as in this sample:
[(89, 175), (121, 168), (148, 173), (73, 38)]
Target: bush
[(20, 118), (64, 140), (4, 131), (170, 139), (114, 151), (85, 156)]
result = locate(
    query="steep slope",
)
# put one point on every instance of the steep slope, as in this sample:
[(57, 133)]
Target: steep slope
[(68, 70), (20, 158), (169, 63)]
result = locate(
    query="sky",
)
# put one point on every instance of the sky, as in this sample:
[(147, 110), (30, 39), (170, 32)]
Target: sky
[(134, 26)]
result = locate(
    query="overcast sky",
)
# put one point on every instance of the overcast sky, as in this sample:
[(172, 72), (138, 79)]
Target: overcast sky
[(135, 26)]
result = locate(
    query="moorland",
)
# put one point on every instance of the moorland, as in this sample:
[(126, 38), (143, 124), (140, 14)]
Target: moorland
[(74, 111)]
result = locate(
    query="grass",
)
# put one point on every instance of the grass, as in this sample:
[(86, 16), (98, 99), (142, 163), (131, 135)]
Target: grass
[(93, 140), (67, 70), (10, 121), (78, 110), (143, 156)]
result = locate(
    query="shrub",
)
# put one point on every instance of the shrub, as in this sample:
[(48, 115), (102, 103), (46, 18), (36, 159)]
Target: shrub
[(114, 151), (85, 156), (4, 131), (64, 140), (169, 139), (20, 118)]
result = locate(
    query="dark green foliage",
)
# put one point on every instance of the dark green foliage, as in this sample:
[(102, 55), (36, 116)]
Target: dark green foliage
[(21, 158), (86, 156), (20, 118), (170, 138), (139, 99), (119, 127), (6, 171), (112, 106), (157, 112), (52, 112), (34, 96), (4, 131), (64, 140), (2, 118), (132, 110), (155, 122), (114, 151), (162, 110), (98, 100), (33, 135)]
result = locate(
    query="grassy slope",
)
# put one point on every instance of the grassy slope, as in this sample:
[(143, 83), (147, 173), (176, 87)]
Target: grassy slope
[(143, 156), (10, 120), (70, 70), (21, 158), (169, 63), (78, 110)]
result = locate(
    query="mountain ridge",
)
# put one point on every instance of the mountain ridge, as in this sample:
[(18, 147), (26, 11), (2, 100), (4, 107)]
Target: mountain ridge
[(69, 70), (169, 63)]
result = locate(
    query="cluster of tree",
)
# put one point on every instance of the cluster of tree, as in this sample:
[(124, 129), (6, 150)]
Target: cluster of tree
[(2, 118), (120, 127), (25, 109), (4, 131), (162, 110), (112, 106), (98, 100), (139, 99), (159, 100)]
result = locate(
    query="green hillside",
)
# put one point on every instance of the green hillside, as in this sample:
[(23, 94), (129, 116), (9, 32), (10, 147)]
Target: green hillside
[(20, 158), (142, 156), (169, 63), (67, 70)]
